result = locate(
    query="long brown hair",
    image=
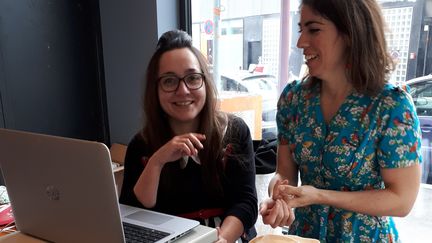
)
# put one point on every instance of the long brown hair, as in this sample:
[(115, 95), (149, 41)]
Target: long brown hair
[(156, 129), (361, 21)]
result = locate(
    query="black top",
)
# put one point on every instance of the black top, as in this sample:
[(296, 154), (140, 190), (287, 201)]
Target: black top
[(185, 191)]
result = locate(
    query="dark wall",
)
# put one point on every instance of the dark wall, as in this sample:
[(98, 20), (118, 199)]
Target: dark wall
[(130, 30), (1, 113), (129, 35), (74, 68), (50, 77), (52, 60)]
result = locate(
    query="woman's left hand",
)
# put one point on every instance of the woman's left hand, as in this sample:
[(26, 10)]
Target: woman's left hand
[(220, 238), (299, 196)]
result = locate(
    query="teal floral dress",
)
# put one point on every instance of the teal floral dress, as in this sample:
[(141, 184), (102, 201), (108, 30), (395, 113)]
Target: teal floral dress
[(346, 154)]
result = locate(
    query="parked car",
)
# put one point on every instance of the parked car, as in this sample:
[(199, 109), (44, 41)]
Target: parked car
[(421, 91), (256, 83)]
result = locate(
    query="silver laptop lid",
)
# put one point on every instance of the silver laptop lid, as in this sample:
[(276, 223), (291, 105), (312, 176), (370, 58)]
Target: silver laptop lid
[(61, 189)]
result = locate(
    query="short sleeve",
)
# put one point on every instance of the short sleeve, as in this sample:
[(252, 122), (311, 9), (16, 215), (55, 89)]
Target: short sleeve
[(400, 143), (286, 115)]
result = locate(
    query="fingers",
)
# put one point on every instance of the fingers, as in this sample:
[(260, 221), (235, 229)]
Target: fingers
[(276, 188), (276, 191), (187, 147), (289, 194), (288, 190), (218, 230), (265, 210), (284, 182), (220, 238), (273, 216), (269, 216), (286, 213), (275, 194), (189, 143), (291, 217), (196, 139), (266, 205), (276, 213)]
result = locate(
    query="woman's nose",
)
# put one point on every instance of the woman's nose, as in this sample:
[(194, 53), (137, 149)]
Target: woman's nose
[(301, 42), (182, 88)]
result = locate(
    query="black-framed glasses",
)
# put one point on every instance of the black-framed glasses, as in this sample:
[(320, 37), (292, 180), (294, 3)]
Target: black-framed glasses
[(170, 83)]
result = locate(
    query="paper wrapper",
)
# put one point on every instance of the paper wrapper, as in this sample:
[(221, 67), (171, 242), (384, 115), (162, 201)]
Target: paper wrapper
[(282, 239)]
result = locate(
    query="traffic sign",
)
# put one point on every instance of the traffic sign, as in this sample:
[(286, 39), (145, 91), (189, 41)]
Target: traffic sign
[(208, 27)]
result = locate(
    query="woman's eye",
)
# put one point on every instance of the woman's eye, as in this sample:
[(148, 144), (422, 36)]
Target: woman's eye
[(194, 77), (310, 30), (169, 81)]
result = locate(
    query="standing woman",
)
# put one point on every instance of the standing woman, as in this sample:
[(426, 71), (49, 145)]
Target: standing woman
[(353, 138), (190, 159)]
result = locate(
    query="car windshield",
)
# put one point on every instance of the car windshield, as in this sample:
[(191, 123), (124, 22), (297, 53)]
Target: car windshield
[(259, 84), (251, 83), (421, 90)]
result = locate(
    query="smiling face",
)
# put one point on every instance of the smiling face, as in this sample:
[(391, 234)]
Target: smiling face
[(323, 46), (183, 105)]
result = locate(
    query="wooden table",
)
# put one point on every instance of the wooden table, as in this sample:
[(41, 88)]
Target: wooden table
[(200, 234)]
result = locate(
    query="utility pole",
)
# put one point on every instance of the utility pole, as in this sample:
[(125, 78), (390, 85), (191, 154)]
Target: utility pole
[(425, 29), (216, 38)]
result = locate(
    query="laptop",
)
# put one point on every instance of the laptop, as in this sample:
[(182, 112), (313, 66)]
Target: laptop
[(63, 190)]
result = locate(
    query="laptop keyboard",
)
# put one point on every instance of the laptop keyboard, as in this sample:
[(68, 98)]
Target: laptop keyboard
[(140, 234)]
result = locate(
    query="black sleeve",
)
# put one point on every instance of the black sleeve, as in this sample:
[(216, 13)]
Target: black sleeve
[(133, 168), (240, 171)]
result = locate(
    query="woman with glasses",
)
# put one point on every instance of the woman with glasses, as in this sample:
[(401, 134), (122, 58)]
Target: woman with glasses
[(190, 159)]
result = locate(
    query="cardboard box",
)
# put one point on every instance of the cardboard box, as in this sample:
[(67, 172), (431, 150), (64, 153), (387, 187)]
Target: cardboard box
[(246, 106)]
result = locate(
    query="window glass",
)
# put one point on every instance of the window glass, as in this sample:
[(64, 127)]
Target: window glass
[(246, 39), (240, 39), (409, 43)]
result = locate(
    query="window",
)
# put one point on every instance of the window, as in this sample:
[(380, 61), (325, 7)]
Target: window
[(248, 33), (252, 36)]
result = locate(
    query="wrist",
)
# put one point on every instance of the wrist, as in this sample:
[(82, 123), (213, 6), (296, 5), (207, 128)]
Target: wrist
[(155, 163), (321, 197)]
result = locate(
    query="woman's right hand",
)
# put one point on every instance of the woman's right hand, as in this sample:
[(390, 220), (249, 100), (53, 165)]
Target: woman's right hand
[(182, 145), (275, 211)]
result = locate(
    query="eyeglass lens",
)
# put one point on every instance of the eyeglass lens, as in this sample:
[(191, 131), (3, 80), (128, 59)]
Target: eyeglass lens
[(171, 83)]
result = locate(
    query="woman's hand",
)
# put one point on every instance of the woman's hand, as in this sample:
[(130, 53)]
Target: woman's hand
[(182, 145), (147, 185), (299, 196), (275, 211), (220, 238)]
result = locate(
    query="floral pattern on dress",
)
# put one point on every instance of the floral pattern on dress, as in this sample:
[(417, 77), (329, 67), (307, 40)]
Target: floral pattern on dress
[(346, 154)]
